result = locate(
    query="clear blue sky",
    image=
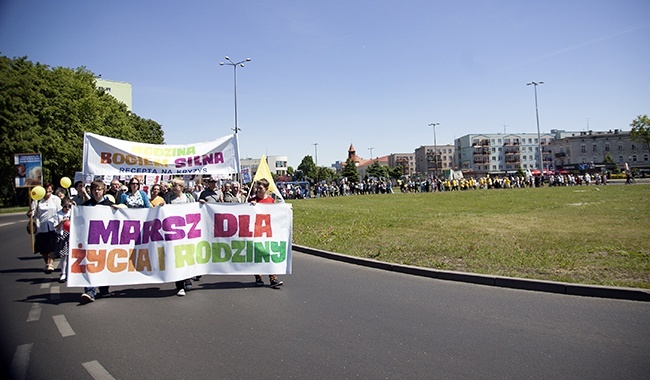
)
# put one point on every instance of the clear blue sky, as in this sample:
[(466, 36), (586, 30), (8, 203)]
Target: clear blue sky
[(372, 73)]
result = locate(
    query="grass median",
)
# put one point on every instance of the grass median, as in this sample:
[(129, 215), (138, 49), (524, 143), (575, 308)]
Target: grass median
[(587, 234)]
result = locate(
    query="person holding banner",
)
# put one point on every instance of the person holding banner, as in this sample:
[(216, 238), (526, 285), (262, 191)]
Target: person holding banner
[(134, 197), (44, 212), (97, 189), (178, 196), (262, 196), (211, 194)]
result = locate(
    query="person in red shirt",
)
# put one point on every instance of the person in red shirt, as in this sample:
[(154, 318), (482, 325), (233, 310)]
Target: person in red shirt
[(262, 196)]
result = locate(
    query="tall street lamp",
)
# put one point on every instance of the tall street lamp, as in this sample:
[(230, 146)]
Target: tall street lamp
[(435, 148), (370, 149), (234, 65), (315, 152), (539, 135)]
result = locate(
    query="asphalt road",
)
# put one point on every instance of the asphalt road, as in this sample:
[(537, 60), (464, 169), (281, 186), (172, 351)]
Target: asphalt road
[(331, 320)]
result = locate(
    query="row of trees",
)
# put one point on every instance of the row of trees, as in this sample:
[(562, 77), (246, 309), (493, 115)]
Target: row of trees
[(307, 170), (47, 110)]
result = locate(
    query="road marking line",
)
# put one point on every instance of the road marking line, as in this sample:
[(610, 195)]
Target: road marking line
[(55, 292), (20, 363), (97, 371), (7, 224), (62, 324), (45, 285), (35, 312)]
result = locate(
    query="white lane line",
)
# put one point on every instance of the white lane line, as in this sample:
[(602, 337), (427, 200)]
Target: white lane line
[(45, 285), (7, 224), (55, 292), (62, 324), (20, 363), (97, 371), (35, 312)]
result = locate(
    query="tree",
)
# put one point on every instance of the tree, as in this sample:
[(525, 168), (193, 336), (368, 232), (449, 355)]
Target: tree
[(326, 174), (350, 171), (308, 167), (641, 129), (47, 110), (397, 172), (377, 170)]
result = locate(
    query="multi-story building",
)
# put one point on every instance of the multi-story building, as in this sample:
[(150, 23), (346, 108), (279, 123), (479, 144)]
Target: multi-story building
[(277, 164), (588, 150), (121, 91), (499, 153), (426, 163), (405, 160)]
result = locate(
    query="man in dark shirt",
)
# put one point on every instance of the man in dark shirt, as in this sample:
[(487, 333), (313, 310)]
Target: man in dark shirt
[(114, 190), (211, 194), (96, 198)]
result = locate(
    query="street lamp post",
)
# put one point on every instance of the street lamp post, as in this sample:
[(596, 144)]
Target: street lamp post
[(539, 135), (370, 149), (234, 65), (435, 149), (316, 153)]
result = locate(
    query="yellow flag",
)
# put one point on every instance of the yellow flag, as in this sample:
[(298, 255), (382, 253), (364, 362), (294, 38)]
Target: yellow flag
[(263, 171)]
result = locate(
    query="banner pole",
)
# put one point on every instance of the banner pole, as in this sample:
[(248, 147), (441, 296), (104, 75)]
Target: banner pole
[(31, 216)]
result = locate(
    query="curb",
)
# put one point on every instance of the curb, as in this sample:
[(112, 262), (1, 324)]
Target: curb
[(481, 279)]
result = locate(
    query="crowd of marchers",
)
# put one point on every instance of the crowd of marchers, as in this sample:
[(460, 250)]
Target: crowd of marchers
[(51, 215)]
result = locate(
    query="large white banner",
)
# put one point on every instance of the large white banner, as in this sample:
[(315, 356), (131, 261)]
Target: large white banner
[(108, 156), (175, 242)]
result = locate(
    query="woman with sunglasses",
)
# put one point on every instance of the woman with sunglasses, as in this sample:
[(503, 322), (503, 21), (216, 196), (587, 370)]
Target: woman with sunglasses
[(134, 197)]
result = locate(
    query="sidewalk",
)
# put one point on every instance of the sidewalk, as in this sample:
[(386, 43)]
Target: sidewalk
[(633, 294)]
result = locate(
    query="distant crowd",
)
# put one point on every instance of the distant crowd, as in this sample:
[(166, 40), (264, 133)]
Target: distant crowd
[(375, 186)]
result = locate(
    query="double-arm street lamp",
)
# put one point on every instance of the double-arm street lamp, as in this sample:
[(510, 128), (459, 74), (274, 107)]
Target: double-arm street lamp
[(539, 135), (435, 148), (234, 65)]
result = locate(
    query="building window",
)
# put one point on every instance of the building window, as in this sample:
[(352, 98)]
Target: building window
[(594, 148), (633, 146), (634, 158), (606, 147), (583, 149), (620, 148), (645, 157)]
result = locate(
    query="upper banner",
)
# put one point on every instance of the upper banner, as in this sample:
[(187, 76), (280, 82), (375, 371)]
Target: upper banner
[(175, 242), (108, 156)]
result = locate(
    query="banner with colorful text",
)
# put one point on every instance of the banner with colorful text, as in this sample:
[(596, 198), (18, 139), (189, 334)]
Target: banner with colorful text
[(165, 244), (108, 156)]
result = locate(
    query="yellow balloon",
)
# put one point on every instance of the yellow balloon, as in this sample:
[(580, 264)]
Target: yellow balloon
[(66, 182), (37, 193)]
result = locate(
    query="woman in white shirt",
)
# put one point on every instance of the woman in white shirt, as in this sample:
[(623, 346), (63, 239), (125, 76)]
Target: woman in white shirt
[(44, 212)]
